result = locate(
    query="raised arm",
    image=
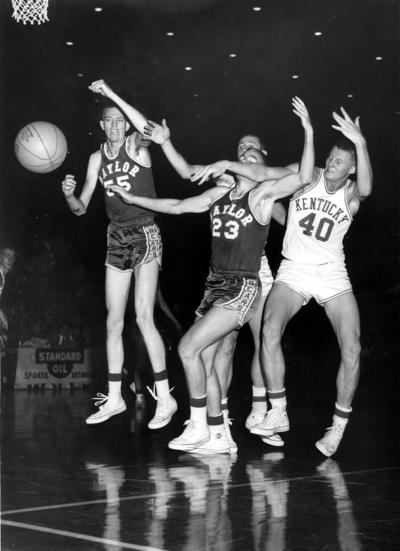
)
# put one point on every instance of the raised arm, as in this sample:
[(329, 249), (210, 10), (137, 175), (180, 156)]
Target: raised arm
[(199, 203), (351, 130), (161, 134), (259, 172), (291, 183), (307, 162), (79, 205), (136, 118)]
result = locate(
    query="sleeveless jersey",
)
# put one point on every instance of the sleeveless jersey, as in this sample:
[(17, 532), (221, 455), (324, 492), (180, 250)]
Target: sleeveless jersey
[(317, 223), (131, 176), (238, 238)]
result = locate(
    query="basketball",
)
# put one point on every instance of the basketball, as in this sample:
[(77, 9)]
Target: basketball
[(40, 147)]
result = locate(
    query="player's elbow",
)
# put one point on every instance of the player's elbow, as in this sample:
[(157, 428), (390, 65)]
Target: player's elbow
[(79, 210), (303, 179), (175, 208), (367, 191)]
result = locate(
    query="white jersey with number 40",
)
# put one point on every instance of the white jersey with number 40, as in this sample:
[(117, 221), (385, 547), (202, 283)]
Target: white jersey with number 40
[(318, 220)]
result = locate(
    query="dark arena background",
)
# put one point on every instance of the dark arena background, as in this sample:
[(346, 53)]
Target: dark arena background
[(216, 70)]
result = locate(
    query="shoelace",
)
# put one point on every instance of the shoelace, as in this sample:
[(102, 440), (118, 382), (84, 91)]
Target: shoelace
[(153, 392), (100, 398), (335, 433), (272, 415), (190, 425)]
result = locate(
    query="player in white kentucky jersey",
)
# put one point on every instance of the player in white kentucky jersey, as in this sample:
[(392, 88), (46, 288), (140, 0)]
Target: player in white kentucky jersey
[(133, 246), (313, 266), (240, 218)]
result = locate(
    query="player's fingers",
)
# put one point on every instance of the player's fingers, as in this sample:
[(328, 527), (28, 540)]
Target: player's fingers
[(340, 128), (338, 118), (198, 174), (297, 101), (345, 115), (152, 124), (205, 177)]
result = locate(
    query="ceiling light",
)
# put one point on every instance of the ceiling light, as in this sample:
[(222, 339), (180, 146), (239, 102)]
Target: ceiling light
[(170, 34), (188, 68), (256, 8), (350, 95), (318, 33), (69, 43), (98, 9), (80, 75), (378, 58), (295, 76), (232, 55)]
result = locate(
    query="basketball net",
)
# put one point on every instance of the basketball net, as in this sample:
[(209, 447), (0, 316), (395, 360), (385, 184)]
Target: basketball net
[(30, 11)]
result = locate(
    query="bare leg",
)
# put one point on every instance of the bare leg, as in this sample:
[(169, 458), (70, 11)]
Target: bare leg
[(282, 304), (223, 361), (257, 377), (197, 350), (146, 283), (208, 330), (214, 392), (344, 317), (117, 290)]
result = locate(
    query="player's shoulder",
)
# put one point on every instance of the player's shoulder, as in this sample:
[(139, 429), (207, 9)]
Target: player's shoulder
[(95, 159), (216, 192), (96, 154)]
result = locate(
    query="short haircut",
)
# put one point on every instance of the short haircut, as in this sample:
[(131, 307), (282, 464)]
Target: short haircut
[(108, 104), (345, 144)]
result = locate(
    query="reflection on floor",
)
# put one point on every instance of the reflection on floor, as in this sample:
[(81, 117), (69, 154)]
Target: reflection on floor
[(116, 486)]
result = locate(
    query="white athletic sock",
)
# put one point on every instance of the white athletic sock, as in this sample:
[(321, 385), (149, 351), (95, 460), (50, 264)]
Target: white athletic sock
[(277, 398), (259, 403), (162, 388), (341, 415), (114, 391)]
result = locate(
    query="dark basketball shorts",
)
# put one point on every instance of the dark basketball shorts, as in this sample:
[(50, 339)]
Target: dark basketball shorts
[(131, 246), (231, 291)]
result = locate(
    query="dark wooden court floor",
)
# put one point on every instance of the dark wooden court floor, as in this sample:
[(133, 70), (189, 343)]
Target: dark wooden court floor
[(115, 486)]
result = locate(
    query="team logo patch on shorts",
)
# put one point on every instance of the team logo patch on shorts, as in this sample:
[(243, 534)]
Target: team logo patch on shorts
[(247, 295), (153, 239)]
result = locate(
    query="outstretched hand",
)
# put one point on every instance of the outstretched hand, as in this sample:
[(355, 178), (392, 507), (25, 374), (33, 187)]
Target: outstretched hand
[(100, 87), (211, 171), (157, 133), (300, 109), (349, 128)]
